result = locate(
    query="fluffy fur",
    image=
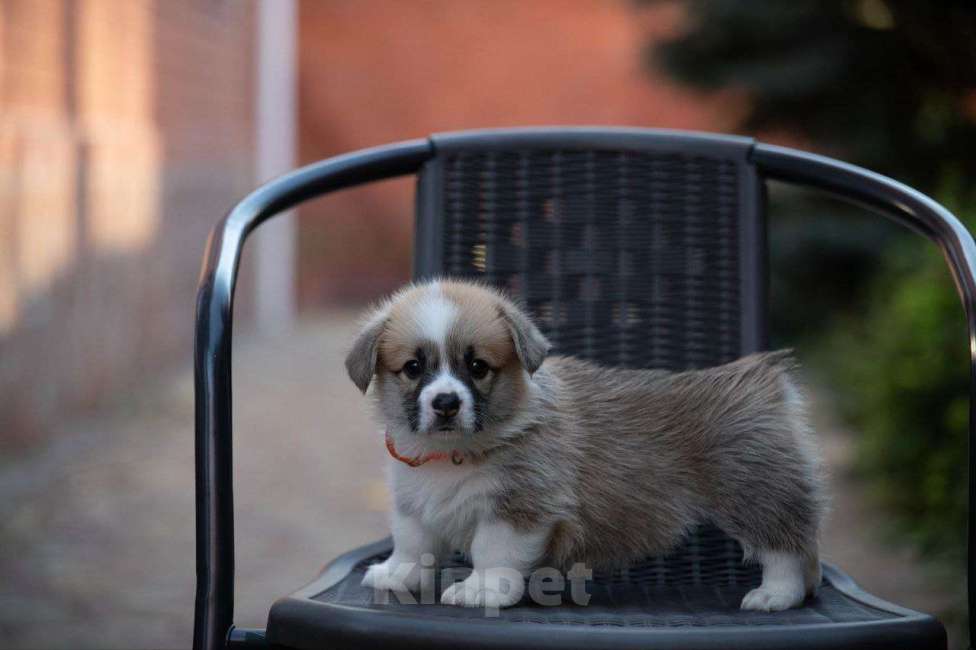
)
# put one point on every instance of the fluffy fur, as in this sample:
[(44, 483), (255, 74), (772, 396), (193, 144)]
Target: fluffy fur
[(558, 451)]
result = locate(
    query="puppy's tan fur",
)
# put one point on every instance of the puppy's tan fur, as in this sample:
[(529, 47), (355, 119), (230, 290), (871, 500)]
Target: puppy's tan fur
[(572, 462)]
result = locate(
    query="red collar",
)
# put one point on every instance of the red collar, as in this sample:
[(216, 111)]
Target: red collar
[(456, 456)]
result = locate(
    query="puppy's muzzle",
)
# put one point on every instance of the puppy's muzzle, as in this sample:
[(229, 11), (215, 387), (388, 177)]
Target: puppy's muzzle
[(446, 405)]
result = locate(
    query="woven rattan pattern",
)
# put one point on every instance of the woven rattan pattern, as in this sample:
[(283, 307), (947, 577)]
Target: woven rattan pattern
[(626, 258)]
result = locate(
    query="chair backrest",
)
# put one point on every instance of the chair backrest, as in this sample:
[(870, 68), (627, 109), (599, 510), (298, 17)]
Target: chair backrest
[(629, 247)]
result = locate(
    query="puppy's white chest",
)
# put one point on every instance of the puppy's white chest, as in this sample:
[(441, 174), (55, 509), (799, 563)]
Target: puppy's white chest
[(449, 499)]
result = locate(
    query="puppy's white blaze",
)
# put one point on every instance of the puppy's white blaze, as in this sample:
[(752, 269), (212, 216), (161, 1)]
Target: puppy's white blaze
[(783, 582), (435, 314), (445, 382)]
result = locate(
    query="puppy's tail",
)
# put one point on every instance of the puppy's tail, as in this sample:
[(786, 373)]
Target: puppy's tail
[(783, 360), (762, 372)]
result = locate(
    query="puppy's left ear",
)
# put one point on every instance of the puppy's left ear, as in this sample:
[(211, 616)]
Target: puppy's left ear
[(531, 345), (362, 358)]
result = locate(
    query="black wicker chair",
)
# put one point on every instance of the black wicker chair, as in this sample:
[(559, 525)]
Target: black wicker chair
[(630, 246)]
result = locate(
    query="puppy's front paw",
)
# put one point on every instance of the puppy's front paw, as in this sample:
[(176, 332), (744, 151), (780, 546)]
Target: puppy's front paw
[(492, 592), (766, 599), (393, 576)]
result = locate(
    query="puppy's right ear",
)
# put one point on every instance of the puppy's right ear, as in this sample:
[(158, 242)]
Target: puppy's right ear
[(361, 360)]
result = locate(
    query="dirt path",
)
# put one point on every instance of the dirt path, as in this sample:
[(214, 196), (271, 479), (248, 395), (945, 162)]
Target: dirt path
[(97, 528)]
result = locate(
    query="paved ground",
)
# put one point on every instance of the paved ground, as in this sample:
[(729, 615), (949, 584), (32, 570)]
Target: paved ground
[(97, 528)]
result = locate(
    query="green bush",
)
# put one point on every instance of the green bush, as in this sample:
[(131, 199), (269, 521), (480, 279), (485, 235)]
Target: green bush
[(901, 373)]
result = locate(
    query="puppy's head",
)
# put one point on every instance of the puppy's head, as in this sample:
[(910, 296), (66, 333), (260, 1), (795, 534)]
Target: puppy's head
[(448, 359)]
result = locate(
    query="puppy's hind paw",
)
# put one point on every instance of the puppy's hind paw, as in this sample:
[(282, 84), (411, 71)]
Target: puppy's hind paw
[(764, 599), (495, 594)]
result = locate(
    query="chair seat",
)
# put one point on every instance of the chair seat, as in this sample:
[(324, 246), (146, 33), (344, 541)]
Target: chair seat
[(635, 608)]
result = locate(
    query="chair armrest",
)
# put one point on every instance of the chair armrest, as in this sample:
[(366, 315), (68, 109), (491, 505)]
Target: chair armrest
[(214, 606)]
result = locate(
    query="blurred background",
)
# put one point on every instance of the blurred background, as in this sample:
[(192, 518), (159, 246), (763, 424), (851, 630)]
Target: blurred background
[(129, 127)]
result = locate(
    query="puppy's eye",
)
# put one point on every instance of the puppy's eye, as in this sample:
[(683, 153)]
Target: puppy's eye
[(478, 368), (412, 369)]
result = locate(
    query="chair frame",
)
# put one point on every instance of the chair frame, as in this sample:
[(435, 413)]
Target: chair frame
[(214, 605)]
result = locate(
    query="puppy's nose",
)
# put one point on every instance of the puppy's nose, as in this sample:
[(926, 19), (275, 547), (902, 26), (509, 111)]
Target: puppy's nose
[(446, 404)]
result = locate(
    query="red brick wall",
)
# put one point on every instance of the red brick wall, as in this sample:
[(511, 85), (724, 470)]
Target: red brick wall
[(376, 71), (125, 132)]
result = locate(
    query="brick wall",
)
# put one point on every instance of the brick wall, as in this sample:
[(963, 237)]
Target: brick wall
[(125, 132), (377, 71)]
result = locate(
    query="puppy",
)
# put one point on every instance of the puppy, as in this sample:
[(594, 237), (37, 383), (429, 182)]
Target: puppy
[(523, 460)]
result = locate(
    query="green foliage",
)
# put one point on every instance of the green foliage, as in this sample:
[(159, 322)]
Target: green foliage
[(821, 254), (903, 369), (890, 84)]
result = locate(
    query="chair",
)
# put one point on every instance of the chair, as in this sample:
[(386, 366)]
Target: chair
[(632, 247)]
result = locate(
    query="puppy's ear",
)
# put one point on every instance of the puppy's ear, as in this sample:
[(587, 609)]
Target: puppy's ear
[(361, 360), (531, 345)]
